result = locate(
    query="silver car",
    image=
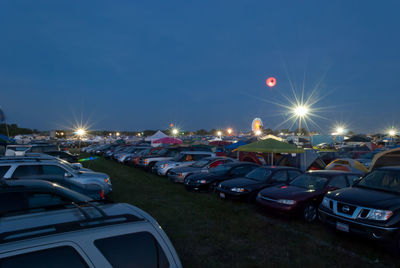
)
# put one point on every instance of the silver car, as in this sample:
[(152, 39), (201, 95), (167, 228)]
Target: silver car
[(181, 160), (204, 165)]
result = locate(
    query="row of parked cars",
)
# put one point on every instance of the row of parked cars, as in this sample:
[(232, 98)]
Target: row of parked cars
[(54, 213), (368, 205)]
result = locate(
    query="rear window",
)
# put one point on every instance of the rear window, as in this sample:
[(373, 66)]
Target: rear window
[(3, 170), (59, 257), (132, 250)]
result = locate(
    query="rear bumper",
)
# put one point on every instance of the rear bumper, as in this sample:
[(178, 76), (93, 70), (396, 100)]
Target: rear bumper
[(366, 230)]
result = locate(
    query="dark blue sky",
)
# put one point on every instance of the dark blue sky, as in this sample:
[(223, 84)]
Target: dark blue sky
[(129, 65)]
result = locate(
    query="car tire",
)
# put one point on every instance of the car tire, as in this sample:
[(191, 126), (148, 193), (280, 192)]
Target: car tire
[(310, 212)]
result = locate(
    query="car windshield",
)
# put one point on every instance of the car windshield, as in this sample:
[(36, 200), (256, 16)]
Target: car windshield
[(162, 152), (201, 163), (310, 182), (220, 169), (387, 180), (259, 174)]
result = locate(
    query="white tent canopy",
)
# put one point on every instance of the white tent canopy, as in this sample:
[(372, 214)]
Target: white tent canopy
[(158, 135)]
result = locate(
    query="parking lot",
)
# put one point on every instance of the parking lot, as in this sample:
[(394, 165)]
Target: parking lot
[(209, 232)]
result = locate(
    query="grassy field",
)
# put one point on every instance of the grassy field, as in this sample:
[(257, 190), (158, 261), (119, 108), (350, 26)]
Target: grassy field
[(209, 232)]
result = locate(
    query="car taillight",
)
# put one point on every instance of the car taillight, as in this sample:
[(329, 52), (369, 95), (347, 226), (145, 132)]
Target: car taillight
[(145, 161), (101, 194)]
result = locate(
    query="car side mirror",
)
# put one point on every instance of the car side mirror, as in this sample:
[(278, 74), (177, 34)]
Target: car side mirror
[(67, 175), (77, 165)]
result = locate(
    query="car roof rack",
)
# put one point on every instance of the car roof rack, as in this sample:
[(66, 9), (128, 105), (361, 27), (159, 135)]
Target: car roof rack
[(57, 228)]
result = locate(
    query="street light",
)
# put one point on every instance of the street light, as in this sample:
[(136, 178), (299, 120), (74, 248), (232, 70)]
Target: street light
[(339, 130), (219, 133), (229, 130), (118, 134), (175, 131), (392, 133), (80, 132)]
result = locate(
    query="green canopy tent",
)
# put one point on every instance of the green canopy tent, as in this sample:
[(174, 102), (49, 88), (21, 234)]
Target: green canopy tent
[(270, 146)]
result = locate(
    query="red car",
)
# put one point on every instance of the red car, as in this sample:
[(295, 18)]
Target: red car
[(304, 194)]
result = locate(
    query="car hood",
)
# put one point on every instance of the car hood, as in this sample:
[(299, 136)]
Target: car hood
[(366, 198), (186, 169), (289, 192), (240, 182)]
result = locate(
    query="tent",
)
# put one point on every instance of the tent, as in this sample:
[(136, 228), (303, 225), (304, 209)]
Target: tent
[(168, 140), (386, 158), (347, 164), (270, 146), (158, 135), (235, 145)]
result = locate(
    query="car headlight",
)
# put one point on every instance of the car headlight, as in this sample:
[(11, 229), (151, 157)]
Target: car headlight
[(325, 202), (201, 181), (238, 189), (108, 181), (164, 165), (287, 202), (379, 215)]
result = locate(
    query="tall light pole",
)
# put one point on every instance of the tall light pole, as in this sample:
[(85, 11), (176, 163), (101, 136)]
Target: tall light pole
[(300, 112)]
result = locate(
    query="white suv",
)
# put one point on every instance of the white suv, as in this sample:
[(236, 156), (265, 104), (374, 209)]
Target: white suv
[(91, 235)]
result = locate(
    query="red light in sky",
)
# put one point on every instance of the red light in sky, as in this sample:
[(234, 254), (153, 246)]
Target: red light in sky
[(271, 82)]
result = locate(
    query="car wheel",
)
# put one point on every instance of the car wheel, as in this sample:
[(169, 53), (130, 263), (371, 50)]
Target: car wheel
[(309, 212)]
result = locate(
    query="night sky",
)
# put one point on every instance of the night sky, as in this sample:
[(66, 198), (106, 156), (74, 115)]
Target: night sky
[(134, 65)]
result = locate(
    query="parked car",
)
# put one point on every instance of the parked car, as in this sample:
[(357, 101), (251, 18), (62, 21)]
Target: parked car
[(25, 195), (163, 155), (72, 158), (209, 181), (86, 235), (94, 191), (150, 152), (183, 159), (43, 147), (247, 187), (129, 151), (304, 194), (39, 167), (204, 165), (370, 208)]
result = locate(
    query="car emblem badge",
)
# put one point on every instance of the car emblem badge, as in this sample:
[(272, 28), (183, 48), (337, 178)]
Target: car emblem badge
[(345, 209)]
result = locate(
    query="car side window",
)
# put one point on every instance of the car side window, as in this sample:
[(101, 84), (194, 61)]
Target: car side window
[(279, 176), (3, 170), (293, 173), (196, 157), (26, 171), (60, 257), (338, 182), (132, 250), (53, 170)]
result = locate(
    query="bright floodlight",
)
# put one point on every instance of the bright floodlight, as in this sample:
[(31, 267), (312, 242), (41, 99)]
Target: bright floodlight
[(229, 130), (80, 132), (118, 133), (219, 133), (175, 131), (257, 132), (300, 111), (340, 130), (392, 132)]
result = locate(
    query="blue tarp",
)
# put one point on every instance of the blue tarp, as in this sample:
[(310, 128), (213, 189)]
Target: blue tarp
[(5, 138), (234, 146)]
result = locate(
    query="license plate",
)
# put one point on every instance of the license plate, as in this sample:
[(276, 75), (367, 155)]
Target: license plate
[(222, 195), (342, 227)]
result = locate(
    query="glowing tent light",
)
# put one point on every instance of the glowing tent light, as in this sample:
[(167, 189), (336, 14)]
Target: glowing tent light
[(271, 82)]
